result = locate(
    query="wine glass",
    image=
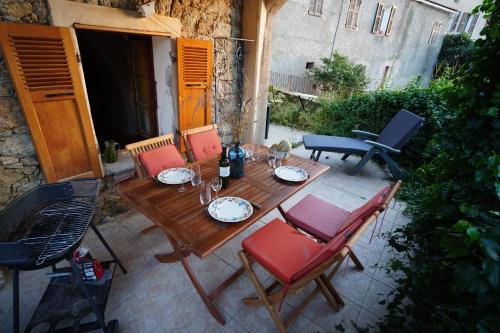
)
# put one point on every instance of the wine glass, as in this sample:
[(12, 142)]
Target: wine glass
[(195, 181), (205, 193), (182, 188), (278, 160), (250, 152), (216, 185), (271, 160), (256, 152)]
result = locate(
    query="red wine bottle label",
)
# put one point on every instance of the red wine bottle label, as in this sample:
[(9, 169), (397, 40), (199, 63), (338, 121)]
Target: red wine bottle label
[(224, 171)]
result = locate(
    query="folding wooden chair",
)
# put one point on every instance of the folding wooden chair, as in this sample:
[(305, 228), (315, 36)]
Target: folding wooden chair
[(323, 220), (138, 148), (295, 259), (202, 143), (154, 154)]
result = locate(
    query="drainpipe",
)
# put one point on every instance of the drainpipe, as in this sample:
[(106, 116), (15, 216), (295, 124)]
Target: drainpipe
[(436, 6), (336, 29)]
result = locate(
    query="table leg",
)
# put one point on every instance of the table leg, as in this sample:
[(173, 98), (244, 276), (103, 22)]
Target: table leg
[(173, 256), (204, 297), (182, 254)]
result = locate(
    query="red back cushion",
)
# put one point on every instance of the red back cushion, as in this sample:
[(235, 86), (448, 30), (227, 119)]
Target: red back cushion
[(204, 145), (159, 159), (370, 207)]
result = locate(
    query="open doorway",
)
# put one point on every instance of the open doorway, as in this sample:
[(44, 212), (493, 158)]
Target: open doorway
[(119, 77)]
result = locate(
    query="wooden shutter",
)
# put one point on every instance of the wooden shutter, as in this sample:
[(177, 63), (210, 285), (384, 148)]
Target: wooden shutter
[(434, 32), (455, 22), (194, 61), (43, 65), (350, 12), (378, 18), (473, 24), (315, 7), (353, 14), (391, 21)]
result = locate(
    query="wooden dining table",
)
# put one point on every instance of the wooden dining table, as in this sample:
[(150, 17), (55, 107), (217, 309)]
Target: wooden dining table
[(188, 226)]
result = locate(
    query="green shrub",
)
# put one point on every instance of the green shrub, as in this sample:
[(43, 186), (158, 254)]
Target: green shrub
[(371, 111), (455, 51), (339, 76), (451, 278)]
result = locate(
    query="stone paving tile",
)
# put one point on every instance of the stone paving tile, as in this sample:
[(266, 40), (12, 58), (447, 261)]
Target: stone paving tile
[(377, 297)]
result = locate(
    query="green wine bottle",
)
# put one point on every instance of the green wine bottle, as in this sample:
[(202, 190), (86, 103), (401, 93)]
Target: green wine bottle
[(224, 168)]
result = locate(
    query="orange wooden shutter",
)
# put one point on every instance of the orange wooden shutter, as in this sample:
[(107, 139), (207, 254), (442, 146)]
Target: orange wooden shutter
[(43, 66), (194, 59)]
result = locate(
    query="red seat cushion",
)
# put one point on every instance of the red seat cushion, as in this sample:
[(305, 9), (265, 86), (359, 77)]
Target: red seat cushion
[(159, 159), (204, 145), (317, 217), (281, 249), (324, 220)]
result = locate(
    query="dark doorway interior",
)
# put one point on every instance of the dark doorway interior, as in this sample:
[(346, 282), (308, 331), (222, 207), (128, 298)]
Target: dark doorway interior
[(119, 78)]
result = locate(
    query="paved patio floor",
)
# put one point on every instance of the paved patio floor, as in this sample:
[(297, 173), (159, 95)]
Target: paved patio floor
[(155, 297)]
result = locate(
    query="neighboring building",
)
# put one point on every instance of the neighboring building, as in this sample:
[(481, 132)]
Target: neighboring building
[(396, 40)]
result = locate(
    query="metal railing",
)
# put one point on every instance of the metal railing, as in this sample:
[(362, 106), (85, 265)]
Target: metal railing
[(292, 83)]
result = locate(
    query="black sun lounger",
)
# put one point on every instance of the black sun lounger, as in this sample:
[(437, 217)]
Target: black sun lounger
[(399, 131)]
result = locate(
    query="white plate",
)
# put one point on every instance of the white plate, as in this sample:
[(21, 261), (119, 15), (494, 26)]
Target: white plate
[(291, 173), (175, 176), (230, 209)]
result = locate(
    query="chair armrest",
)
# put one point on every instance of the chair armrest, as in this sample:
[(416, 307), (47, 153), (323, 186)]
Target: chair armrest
[(365, 134), (382, 146)]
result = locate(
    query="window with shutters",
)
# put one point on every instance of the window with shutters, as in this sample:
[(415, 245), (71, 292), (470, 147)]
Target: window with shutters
[(386, 76), (473, 24), (316, 8), (384, 20), (454, 23), (377, 23), (434, 32), (463, 22), (353, 14)]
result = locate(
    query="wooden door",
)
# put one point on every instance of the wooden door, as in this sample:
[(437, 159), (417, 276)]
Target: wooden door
[(142, 72), (194, 59), (43, 65)]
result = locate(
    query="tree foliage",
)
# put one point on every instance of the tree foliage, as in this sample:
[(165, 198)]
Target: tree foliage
[(455, 51), (339, 76)]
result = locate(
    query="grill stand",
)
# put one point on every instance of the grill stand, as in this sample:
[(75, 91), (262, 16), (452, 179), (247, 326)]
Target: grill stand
[(112, 325)]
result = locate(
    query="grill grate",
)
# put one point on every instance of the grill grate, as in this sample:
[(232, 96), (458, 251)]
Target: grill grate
[(57, 227)]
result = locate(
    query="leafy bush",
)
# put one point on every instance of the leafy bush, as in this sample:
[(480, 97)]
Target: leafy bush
[(339, 76), (371, 111), (452, 281), (455, 51)]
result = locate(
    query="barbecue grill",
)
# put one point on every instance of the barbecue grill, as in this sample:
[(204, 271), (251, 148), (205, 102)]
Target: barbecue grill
[(43, 227)]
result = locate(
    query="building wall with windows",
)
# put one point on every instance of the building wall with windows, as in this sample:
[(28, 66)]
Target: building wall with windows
[(396, 40)]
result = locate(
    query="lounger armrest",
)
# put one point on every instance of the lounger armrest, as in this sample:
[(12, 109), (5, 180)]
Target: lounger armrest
[(383, 147), (365, 134)]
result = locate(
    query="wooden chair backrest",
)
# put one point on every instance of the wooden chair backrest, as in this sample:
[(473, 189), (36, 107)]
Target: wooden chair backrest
[(392, 193), (185, 133), (139, 147), (337, 257)]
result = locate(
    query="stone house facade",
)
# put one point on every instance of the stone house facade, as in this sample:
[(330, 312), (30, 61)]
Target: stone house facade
[(405, 45), (20, 169)]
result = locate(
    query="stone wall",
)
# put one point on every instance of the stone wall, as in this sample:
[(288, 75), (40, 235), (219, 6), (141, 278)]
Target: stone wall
[(19, 168)]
